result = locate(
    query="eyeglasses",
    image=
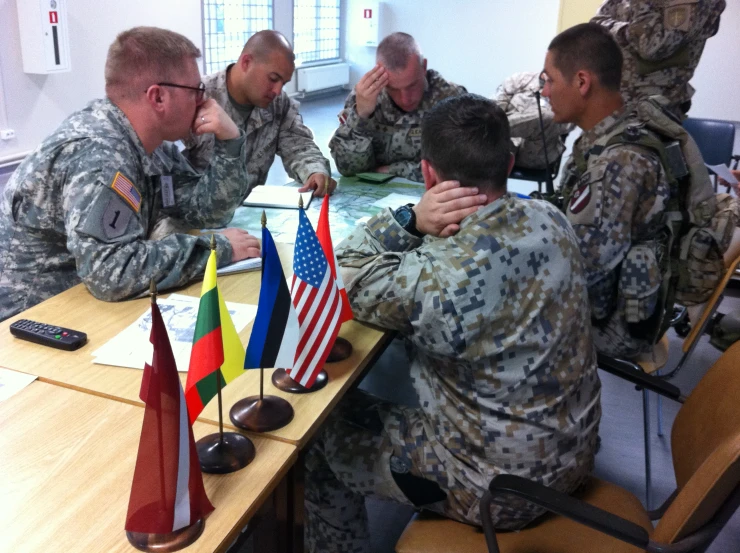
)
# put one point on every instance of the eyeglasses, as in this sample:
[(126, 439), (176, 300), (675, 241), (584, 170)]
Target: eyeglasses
[(200, 89)]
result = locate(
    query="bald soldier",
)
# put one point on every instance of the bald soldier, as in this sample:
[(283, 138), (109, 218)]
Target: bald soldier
[(81, 207), (380, 125), (662, 43), (251, 92)]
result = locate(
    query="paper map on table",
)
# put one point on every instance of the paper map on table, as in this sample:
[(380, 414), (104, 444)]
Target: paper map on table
[(131, 348)]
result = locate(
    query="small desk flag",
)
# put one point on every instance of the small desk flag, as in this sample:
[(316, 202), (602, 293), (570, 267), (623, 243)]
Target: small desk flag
[(324, 236), (317, 301), (275, 330), (167, 493), (216, 346)]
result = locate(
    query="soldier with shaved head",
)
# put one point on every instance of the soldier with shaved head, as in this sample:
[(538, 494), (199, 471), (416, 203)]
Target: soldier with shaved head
[(251, 92)]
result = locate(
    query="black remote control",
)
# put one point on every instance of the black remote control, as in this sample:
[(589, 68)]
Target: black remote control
[(48, 335)]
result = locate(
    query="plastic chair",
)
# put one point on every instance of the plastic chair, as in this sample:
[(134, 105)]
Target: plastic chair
[(714, 138), (604, 518)]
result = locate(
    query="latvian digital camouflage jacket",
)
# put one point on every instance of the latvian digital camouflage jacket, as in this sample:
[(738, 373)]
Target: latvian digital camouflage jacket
[(80, 208), (616, 198), (662, 42), (390, 136), (498, 324), (276, 129)]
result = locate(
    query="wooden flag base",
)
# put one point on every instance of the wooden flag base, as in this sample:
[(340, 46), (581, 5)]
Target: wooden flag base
[(282, 381), (341, 349), (221, 455), (261, 415), (164, 543)]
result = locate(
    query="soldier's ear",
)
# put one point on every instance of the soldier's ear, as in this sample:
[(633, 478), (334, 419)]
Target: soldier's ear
[(511, 164), (430, 175), (584, 82), (245, 60), (154, 95)]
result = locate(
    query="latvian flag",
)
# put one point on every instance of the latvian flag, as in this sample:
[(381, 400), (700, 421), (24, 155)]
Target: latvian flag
[(275, 330), (317, 301), (324, 236), (167, 493)]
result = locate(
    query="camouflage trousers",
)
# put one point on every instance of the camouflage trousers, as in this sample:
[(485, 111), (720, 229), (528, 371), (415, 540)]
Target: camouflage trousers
[(351, 459)]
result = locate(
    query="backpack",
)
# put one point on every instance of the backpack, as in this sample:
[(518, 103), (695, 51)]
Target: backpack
[(698, 223)]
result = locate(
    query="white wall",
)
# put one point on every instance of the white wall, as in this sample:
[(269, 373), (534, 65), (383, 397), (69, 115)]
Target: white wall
[(475, 43), (717, 78), (36, 104)]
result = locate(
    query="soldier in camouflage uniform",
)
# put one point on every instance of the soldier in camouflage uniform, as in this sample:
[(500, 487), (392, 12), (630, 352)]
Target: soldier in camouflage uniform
[(380, 125), (662, 42), (494, 309), (516, 96), (80, 207), (251, 92), (615, 196)]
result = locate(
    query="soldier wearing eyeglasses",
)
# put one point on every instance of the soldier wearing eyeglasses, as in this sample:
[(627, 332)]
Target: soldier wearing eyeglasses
[(81, 207), (251, 92)]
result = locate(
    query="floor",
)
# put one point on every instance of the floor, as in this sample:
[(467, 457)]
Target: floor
[(621, 457)]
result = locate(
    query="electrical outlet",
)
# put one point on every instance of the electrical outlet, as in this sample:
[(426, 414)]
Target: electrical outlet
[(7, 134)]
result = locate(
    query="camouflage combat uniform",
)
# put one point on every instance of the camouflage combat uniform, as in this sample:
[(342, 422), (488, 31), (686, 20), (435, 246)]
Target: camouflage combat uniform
[(516, 97), (616, 198), (662, 42), (496, 321), (277, 129), (390, 136), (79, 208)]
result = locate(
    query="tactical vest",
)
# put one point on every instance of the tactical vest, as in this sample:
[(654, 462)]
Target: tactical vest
[(688, 251)]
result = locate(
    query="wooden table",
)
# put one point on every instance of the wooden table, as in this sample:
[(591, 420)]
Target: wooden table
[(67, 462), (77, 309)]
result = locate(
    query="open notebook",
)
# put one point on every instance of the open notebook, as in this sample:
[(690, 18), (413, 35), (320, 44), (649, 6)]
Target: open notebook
[(284, 197)]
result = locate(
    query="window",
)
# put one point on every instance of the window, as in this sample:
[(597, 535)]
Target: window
[(227, 24), (316, 30)]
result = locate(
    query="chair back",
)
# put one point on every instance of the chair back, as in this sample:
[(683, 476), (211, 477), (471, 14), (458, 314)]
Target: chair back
[(715, 139), (706, 450)]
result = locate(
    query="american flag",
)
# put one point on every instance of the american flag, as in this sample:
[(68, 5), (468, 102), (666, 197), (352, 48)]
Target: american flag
[(316, 300), (126, 189)]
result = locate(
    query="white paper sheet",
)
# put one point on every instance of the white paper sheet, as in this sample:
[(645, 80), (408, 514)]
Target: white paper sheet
[(723, 172), (241, 266), (284, 197), (396, 200), (12, 382), (131, 348)]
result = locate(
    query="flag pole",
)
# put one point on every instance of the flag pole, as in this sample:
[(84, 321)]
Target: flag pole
[(223, 453)]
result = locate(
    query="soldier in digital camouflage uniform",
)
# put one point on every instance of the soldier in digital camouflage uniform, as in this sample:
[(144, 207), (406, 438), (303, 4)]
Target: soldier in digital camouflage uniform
[(80, 207), (662, 42), (494, 310), (516, 96), (251, 92), (380, 125), (615, 196)]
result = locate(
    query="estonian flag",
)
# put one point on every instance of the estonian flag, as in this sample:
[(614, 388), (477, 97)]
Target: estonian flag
[(274, 336)]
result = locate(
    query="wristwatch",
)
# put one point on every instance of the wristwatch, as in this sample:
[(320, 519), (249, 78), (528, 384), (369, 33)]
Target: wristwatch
[(406, 217)]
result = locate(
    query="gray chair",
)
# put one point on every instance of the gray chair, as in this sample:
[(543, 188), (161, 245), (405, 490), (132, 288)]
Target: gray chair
[(715, 139)]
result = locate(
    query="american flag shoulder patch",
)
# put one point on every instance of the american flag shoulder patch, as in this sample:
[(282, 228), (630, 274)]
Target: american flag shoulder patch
[(126, 189)]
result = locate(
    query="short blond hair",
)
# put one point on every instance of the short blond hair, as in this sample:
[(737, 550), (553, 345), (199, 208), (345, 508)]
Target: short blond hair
[(143, 56)]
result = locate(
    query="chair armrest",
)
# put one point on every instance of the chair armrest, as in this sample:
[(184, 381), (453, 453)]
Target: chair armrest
[(567, 506), (632, 372)]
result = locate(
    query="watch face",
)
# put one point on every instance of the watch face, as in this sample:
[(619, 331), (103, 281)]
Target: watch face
[(403, 215)]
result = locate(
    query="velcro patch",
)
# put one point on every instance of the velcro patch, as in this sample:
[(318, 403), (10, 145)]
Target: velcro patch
[(677, 18), (126, 190), (580, 199), (416, 131), (115, 218)]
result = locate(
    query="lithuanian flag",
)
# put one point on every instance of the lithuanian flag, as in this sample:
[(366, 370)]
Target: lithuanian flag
[(217, 348)]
